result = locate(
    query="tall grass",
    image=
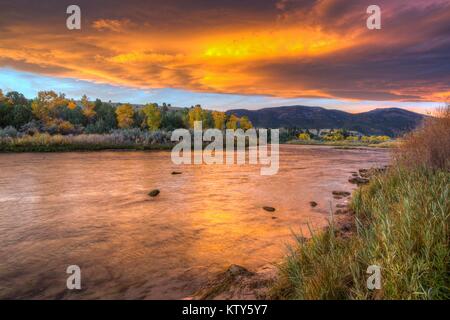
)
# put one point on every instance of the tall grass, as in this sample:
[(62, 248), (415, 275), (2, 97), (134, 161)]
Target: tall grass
[(401, 222), (429, 145), (118, 139)]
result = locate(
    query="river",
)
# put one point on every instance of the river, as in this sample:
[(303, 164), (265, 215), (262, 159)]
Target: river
[(92, 210)]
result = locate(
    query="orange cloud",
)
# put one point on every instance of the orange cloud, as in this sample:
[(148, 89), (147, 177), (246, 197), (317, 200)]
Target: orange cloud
[(111, 25)]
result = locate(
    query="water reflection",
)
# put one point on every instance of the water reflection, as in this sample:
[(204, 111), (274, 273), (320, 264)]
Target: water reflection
[(92, 209)]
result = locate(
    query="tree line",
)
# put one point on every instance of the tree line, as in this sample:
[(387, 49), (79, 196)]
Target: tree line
[(54, 113)]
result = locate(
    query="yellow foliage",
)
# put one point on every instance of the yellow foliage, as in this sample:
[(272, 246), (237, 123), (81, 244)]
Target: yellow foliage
[(304, 136), (375, 139), (219, 119), (125, 113), (195, 114), (88, 108), (45, 103), (232, 122), (152, 116), (352, 138), (71, 105), (245, 123)]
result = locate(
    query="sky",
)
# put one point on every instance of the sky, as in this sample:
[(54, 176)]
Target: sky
[(227, 54)]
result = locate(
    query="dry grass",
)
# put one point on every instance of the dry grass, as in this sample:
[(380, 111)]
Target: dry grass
[(429, 145)]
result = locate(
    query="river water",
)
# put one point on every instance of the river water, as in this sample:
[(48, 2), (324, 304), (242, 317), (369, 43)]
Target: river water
[(92, 210)]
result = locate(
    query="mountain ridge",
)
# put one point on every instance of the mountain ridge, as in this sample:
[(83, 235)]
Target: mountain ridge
[(380, 121)]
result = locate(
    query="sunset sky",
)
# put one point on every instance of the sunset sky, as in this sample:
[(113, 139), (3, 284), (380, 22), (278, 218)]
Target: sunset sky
[(227, 54)]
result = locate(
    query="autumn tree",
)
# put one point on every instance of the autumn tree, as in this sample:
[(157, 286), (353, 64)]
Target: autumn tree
[(244, 123), (14, 98), (125, 116), (45, 104), (195, 114), (304, 136), (232, 122), (219, 119), (88, 108), (71, 104), (152, 116)]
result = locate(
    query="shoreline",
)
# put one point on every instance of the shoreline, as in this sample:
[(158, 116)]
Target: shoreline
[(65, 148)]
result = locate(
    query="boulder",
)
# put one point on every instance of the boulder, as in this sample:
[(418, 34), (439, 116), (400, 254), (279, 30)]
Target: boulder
[(341, 193), (154, 193), (358, 180), (313, 204), (269, 209)]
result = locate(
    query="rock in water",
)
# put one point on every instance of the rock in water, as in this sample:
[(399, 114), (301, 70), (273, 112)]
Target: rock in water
[(341, 193), (358, 180), (154, 193), (236, 270), (269, 209)]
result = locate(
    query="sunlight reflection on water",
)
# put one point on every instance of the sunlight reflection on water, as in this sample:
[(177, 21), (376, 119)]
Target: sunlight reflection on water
[(92, 210)]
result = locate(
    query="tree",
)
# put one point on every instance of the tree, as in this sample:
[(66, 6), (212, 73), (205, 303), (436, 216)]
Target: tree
[(245, 123), (106, 113), (125, 114), (232, 122), (352, 138), (73, 115), (173, 120), (219, 119), (5, 112), (195, 114), (45, 104), (15, 98), (88, 109), (334, 135), (20, 115), (152, 116), (304, 136), (71, 105)]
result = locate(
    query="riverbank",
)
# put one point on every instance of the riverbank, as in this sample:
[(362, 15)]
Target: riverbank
[(139, 141), (345, 143), (122, 140), (400, 223)]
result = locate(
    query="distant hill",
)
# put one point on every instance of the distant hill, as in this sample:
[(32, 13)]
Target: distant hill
[(391, 122)]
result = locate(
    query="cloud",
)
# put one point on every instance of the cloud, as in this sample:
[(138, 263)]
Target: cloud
[(282, 48), (111, 25)]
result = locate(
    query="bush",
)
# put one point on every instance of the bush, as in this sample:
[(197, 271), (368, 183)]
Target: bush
[(304, 136), (8, 132), (32, 127), (429, 145)]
